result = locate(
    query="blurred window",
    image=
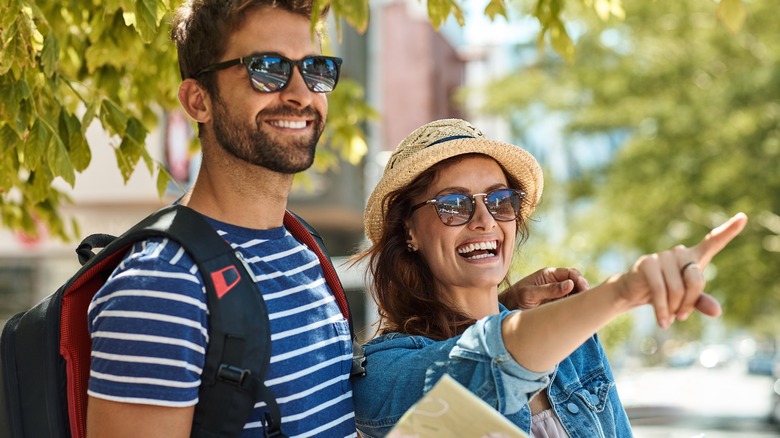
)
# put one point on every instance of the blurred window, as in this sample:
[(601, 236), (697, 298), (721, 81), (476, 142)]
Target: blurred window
[(17, 287)]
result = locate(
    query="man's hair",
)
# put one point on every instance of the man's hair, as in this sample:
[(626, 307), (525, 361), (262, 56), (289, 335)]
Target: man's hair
[(201, 29)]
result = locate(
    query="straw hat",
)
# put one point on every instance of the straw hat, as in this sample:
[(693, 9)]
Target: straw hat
[(437, 141)]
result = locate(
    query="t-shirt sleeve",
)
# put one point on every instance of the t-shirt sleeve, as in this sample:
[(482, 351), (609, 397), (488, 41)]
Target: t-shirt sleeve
[(149, 328), (501, 379)]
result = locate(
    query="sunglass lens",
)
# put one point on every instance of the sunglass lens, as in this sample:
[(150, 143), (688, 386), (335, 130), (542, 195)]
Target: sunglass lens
[(504, 205), (454, 209), (269, 73), (320, 73)]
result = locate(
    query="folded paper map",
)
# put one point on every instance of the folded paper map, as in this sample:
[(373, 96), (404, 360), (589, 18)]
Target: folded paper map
[(450, 410)]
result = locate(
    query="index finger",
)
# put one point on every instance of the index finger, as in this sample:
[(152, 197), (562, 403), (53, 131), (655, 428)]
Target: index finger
[(718, 238)]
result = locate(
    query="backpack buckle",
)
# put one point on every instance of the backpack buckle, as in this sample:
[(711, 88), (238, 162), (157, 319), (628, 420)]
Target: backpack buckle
[(233, 374)]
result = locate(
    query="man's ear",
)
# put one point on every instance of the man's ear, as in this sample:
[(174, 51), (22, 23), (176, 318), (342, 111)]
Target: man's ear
[(195, 100)]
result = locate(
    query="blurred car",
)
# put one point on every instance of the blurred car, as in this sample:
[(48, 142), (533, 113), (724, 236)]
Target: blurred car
[(683, 357), (715, 355), (774, 409), (762, 364)]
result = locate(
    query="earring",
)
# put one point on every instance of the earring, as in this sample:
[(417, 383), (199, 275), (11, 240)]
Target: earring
[(410, 248)]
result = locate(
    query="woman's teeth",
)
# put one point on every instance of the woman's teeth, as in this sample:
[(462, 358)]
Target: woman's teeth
[(481, 250)]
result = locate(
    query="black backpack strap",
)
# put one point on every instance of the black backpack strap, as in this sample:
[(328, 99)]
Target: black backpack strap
[(85, 250), (305, 232), (239, 348)]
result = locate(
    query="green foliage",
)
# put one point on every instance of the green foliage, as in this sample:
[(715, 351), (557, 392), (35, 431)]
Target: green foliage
[(699, 106), (65, 65)]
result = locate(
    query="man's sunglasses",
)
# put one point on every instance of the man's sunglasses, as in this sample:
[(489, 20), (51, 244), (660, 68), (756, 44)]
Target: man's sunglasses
[(271, 73), (458, 208)]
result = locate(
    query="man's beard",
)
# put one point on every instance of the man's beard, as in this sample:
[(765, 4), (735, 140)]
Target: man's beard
[(251, 144)]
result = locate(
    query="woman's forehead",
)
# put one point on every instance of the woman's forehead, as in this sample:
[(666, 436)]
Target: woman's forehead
[(468, 171)]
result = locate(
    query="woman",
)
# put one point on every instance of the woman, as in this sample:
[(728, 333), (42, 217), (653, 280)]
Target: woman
[(443, 223)]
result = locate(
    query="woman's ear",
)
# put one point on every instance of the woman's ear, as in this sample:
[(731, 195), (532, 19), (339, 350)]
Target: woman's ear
[(195, 100), (411, 241)]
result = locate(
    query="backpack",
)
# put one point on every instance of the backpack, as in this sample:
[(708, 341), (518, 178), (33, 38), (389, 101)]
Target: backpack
[(45, 351)]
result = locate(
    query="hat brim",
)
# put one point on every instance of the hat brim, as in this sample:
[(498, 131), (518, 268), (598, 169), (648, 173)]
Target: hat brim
[(515, 161)]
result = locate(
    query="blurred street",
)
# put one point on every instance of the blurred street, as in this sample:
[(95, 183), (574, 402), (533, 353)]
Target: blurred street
[(697, 402)]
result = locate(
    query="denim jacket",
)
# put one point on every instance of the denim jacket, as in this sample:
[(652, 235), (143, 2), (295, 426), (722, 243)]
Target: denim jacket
[(401, 368)]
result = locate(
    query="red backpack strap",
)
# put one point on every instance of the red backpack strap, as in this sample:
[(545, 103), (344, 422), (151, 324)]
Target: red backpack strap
[(304, 234), (309, 236)]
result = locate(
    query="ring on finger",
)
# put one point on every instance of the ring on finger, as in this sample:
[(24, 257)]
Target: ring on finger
[(686, 266)]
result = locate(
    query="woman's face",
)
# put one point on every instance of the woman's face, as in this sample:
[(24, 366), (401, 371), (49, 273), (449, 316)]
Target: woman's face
[(471, 256)]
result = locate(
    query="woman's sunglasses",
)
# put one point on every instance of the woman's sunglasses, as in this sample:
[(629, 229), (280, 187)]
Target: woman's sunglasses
[(270, 73), (458, 208)]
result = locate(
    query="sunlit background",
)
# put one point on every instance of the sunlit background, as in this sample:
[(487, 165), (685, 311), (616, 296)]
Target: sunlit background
[(661, 126)]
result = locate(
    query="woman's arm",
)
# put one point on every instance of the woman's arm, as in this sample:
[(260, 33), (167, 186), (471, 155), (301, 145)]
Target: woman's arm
[(540, 338)]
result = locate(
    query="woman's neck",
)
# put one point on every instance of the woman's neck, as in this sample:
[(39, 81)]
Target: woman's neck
[(476, 303)]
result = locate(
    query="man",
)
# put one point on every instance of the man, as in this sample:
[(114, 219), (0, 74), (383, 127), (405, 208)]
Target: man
[(254, 80)]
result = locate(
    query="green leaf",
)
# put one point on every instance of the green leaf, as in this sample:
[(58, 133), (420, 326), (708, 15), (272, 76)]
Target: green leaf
[(24, 115), (357, 150), (495, 8), (732, 13), (606, 8), (131, 149), (111, 6), (162, 180), (561, 42), (38, 185), (36, 145), (89, 114), (135, 146), (9, 13), (9, 142), (113, 117), (98, 56), (125, 166), (59, 161), (146, 19), (40, 18), (9, 100), (356, 13), (78, 148), (440, 10), (50, 54)]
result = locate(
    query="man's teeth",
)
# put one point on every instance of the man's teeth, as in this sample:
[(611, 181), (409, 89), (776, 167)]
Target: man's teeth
[(471, 247), (299, 124)]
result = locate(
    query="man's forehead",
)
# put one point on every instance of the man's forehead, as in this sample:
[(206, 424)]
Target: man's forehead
[(274, 30)]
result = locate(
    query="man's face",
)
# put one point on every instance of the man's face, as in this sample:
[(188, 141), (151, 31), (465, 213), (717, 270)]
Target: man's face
[(278, 131)]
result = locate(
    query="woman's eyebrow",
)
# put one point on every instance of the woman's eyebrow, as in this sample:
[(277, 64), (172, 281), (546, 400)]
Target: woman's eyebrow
[(457, 189)]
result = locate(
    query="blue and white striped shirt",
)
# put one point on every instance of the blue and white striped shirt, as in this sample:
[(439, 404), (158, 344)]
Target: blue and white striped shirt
[(149, 328)]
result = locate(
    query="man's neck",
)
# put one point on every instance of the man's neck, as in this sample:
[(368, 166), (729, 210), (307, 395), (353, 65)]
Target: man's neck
[(247, 196)]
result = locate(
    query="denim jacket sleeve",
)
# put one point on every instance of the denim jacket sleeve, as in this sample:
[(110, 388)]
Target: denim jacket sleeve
[(400, 369)]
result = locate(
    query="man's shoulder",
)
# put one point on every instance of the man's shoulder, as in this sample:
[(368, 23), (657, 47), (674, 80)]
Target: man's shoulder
[(159, 250)]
